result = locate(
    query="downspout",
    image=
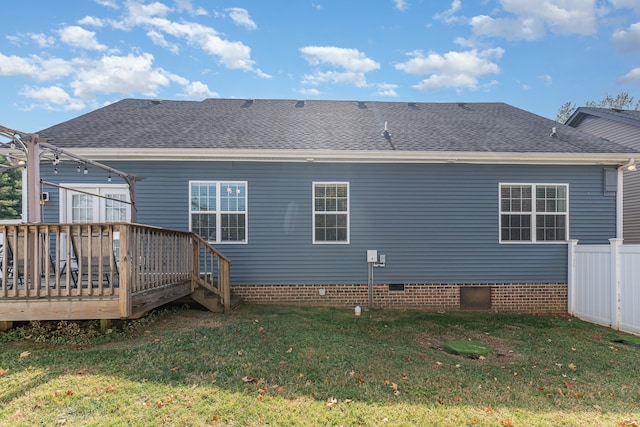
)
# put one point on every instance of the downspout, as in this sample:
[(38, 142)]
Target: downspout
[(619, 204)]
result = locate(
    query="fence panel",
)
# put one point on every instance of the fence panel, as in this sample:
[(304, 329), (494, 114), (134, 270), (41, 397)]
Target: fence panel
[(604, 284), (630, 288), (592, 295)]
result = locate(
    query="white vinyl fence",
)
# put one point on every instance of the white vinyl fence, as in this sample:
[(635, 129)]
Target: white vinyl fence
[(604, 284)]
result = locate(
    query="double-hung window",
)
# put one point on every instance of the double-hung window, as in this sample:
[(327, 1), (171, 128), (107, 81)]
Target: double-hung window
[(534, 212), (330, 212), (218, 210)]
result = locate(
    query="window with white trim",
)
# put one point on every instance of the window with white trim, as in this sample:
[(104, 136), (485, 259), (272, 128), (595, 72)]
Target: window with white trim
[(330, 212), (218, 210), (534, 212)]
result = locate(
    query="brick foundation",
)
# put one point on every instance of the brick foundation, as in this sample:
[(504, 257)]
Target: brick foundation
[(513, 297)]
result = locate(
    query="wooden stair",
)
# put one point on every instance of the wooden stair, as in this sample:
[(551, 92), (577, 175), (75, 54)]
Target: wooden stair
[(211, 301)]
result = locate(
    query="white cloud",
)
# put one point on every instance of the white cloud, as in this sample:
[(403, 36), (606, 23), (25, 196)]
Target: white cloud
[(387, 89), (79, 37), (401, 4), (198, 90), (448, 16), (42, 40), (533, 17), (546, 78), (309, 91), (317, 6), (354, 65), (453, 69), (108, 3), (631, 77), (627, 40), (349, 59), (159, 40), (626, 4), (335, 77), (233, 55), (241, 17), (52, 98), (35, 67), (13, 39), (511, 29), (91, 21), (119, 74)]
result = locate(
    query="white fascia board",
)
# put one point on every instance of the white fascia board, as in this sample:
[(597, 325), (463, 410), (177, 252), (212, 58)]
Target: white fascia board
[(344, 156)]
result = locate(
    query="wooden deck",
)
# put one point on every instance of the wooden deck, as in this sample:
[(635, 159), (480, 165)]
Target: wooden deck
[(104, 271)]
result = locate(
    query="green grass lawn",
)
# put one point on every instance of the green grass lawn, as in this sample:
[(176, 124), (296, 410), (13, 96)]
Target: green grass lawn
[(278, 366)]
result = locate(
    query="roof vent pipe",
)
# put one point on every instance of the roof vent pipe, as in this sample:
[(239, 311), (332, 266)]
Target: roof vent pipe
[(553, 132)]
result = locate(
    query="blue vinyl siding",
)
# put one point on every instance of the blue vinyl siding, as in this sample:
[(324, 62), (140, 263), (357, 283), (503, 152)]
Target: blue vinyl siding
[(436, 223)]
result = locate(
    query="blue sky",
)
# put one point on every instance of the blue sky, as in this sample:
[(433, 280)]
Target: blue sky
[(60, 59)]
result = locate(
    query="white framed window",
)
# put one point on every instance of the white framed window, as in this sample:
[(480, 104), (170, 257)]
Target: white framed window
[(218, 210), (94, 203), (534, 213), (331, 212)]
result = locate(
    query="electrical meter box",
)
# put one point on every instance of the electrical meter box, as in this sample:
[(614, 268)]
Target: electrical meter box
[(372, 255)]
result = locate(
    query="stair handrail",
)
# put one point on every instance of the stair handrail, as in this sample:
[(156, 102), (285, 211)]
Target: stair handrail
[(223, 288)]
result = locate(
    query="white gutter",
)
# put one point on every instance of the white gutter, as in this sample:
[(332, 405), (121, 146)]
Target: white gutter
[(352, 156)]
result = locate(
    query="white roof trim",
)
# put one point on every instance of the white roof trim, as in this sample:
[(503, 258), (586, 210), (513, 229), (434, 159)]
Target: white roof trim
[(346, 156)]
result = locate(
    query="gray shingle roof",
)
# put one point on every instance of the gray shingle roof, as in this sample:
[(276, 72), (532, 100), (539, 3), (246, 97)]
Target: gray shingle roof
[(631, 117), (322, 125)]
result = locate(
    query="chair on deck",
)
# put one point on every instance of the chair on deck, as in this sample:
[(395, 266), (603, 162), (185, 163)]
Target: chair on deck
[(15, 256), (95, 257)]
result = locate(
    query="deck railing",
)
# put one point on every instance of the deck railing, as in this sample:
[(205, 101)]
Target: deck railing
[(128, 265)]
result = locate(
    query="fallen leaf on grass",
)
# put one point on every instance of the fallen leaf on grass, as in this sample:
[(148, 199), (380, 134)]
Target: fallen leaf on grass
[(488, 410), (507, 423), (627, 423), (83, 371), (290, 350), (61, 421), (15, 415), (3, 372), (215, 418), (253, 380), (25, 354), (331, 402), (110, 388), (159, 403), (260, 398), (69, 392), (597, 407), (572, 366), (176, 368)]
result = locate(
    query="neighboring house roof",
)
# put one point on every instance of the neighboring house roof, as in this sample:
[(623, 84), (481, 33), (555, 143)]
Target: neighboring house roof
[(631, 117), (345, 130)]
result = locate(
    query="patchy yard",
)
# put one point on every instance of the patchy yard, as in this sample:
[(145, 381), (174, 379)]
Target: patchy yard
[(268, 365)]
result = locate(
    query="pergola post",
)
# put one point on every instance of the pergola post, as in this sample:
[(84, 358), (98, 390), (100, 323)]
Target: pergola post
[(33, 180)]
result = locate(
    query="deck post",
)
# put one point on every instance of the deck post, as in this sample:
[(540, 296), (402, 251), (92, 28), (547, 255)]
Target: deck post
[(223, 271), (5, 325), (125, 270), (105, 325)]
